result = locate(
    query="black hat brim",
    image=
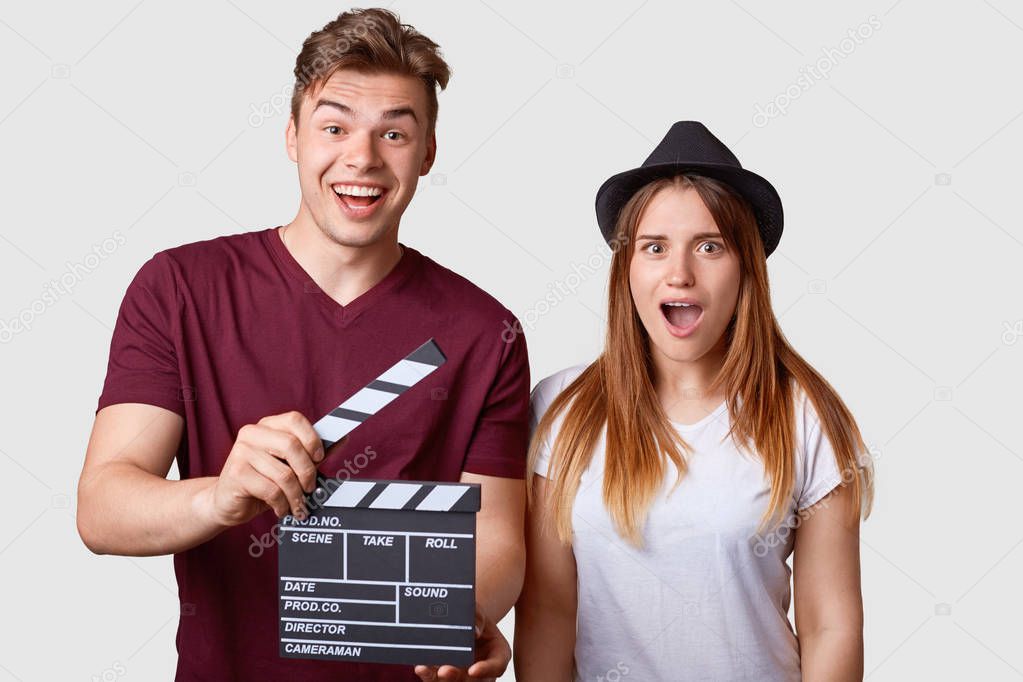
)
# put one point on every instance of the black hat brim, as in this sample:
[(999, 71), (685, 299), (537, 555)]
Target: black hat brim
[(618, 189)]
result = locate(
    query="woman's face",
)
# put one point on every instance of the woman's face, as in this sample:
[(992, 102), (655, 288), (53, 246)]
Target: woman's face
[(684, 279)]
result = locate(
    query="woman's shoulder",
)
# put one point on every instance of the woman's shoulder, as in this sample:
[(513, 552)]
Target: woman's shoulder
[(548, 388), (808, 416), (805, 412), (540, 399)]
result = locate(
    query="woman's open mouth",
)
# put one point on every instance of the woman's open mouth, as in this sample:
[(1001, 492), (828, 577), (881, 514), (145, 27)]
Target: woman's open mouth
[(358, 201), (681, 318)]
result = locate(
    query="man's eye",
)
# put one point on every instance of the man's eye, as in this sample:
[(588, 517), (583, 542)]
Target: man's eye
[(393, 135), (333, 130)]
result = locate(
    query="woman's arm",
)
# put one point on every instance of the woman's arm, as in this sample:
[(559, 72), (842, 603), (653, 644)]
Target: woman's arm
[(546, 610), (828, 601)]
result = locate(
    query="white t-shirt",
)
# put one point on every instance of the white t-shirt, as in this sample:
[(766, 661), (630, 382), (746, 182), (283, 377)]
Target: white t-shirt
[(705, 598)]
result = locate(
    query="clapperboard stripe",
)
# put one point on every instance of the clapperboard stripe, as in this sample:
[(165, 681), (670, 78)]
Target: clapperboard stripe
[(349, 493), (443, 498), (420, 495), (370, 399), (372, 495), (405, 495), (395, 496)]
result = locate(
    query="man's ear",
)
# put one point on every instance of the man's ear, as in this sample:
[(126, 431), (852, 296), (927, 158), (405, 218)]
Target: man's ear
[(431, 154), (291, 139)]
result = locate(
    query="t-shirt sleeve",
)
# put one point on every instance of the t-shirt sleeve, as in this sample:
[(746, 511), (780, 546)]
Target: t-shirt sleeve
[(143, 365), (539, 401), (499, 442), (820, 473)]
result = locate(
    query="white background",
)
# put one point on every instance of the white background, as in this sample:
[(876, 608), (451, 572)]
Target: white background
[(897, 275)]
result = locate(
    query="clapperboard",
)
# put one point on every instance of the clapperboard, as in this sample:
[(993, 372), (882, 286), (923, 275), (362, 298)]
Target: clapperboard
[(380, 571)]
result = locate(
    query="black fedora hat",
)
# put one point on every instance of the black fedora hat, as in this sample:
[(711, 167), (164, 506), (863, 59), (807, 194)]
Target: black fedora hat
[(690, 147)]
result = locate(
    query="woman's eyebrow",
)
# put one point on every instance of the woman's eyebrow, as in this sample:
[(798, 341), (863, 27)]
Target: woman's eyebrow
[(700, 235)]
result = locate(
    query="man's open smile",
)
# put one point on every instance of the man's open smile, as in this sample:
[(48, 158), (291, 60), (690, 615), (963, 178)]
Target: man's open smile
[(358, 200)]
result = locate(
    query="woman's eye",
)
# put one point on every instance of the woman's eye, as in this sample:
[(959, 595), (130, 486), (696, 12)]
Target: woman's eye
[(716, 246), (654, 248)]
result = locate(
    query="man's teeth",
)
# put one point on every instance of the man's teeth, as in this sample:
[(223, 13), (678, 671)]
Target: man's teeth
[(358, 190)]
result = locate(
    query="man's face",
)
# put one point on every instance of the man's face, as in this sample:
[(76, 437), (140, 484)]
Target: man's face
[(684, 279), (361, 144)]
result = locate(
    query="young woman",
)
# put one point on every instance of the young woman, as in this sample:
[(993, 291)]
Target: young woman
[(676, 474)]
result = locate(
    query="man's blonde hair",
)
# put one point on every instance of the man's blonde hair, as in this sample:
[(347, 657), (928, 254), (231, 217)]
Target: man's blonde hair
[(373, 41)]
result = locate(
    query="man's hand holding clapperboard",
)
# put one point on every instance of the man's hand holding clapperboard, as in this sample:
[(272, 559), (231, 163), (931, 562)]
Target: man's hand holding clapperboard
[(378, 571)]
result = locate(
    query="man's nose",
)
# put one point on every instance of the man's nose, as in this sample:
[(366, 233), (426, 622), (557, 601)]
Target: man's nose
[(360, 153)]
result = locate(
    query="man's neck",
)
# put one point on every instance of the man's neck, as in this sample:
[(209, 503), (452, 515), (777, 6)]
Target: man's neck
[(343, 272)]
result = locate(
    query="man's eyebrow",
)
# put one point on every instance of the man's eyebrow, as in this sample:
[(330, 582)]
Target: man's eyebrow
[(343, 108), (392, 114), (389, 115)]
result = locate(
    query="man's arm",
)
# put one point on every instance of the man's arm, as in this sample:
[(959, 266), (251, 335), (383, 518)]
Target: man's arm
[(500, 546), (125, 503), (127, 506), (500, 566)]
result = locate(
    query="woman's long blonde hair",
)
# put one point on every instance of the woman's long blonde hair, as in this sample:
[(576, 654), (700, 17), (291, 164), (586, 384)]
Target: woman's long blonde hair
[(759, 374)]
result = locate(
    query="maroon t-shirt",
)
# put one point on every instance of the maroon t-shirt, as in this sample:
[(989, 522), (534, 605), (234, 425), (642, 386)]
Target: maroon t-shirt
[(227, 331)]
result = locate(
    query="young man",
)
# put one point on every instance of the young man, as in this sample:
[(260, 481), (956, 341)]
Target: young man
[(226, 350)]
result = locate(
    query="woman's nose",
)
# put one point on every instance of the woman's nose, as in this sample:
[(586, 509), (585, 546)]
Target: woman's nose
[(681, 273)]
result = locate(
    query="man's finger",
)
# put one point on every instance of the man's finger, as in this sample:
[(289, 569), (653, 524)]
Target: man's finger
[(427, 673), (296, 424), (283, 477), (287, 446), (494, 655), (259, 487), (449, 673), (487, 668), (481, 622)]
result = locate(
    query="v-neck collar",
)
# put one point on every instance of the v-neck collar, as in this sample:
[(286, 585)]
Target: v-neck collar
[(344, 314)]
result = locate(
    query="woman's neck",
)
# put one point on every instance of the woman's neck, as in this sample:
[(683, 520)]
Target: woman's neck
[(682, 386)]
